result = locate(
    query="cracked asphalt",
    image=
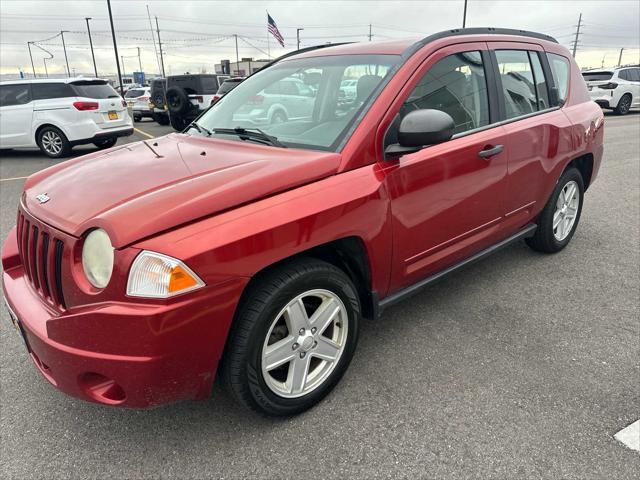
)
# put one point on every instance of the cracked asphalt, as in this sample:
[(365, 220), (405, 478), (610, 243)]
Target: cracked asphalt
[(521, 366)]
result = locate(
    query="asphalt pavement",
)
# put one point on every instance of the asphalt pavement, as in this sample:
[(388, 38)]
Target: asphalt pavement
[(521, 366)]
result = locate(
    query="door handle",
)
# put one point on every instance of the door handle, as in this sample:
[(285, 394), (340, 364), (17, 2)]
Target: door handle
[(490, 152)]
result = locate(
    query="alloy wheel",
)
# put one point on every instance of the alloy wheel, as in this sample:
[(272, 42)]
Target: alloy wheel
[(304, 343), (566, 211), (51, 142)]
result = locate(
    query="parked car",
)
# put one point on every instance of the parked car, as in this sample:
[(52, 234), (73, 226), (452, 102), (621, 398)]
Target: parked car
[(157, 104), (253, 254), (58, 114), (138, 100), (348, 88), (187, 96), (226, 87), (617, 89)]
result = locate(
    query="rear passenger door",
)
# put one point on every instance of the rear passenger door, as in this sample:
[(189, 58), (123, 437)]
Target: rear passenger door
[(16, 114), (537, 130), (53, 104)]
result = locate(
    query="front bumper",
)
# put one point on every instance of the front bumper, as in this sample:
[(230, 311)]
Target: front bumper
[(135, 354)]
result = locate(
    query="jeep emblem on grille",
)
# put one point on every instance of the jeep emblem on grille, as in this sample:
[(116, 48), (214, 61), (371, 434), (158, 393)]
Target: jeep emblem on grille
[(43, 198)]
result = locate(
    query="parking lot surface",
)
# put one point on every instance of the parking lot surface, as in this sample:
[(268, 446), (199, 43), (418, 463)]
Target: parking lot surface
[(521, 366)]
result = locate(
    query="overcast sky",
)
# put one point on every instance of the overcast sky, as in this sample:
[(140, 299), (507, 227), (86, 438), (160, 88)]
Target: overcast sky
[(197, 34)]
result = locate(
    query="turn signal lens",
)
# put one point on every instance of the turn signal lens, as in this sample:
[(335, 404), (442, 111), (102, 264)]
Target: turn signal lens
[(154, 275)]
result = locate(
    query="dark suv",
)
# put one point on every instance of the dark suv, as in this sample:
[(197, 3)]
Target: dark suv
[(157, 101), (187, 96)]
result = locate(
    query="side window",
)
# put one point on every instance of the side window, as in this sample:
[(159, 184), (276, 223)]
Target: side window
[(635, 74), (456, 85), (518, 82), (43, 91), (560, 70), (624, 75), (18, 94), (540, 81)]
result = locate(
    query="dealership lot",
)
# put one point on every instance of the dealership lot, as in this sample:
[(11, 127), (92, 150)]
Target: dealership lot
[(523, 365)]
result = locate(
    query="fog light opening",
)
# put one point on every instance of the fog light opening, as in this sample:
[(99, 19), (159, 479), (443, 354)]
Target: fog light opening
[(102, 389)]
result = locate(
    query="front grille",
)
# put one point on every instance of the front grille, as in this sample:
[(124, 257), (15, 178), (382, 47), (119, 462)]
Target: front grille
[(41, 254)]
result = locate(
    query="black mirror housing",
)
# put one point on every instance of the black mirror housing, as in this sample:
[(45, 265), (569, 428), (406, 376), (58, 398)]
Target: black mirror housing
[(425, 127)]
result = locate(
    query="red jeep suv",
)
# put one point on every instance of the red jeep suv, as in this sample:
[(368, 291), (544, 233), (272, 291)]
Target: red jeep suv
[(251, 245)]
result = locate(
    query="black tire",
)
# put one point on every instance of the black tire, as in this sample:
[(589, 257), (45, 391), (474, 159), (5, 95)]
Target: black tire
[(48, 136), (137, 118), (544, 240), (178, 123), (241, 367), (278, 117), (624, 105), (161, 119), (106, 143), (178, 101)]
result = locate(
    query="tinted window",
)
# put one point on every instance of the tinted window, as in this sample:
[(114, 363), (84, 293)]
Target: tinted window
[(635, 74), (540, 82), (597, 76), (560, 70), (209, 85), (42, 91), (624, 74), (19, 94), (134, 93), (517, 79), (228, 86), (97, 90), (456, 85)]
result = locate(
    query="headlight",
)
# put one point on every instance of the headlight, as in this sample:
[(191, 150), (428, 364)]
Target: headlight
[(97, 258), (159, 276)]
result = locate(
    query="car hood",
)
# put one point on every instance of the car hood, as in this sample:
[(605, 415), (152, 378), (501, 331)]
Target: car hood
[(143, 188)]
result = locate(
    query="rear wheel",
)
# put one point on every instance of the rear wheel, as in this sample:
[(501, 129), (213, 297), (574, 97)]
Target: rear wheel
[(560, 216), (137, 118), (293, 338), (278, 117), (161, 119), (53, 143), (624, 105), (178, 123), (106, 143)]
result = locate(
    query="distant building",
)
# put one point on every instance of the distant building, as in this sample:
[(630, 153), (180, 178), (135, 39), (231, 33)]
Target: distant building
[(243, 68)]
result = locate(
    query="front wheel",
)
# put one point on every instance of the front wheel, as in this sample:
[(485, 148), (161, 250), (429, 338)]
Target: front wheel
[(293, 338), (560, 216)]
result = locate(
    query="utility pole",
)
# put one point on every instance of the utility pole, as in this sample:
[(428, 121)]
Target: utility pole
[(160, 47), (620, 57), (31, 57), (95, 69), (298, 30), (64, 47), (575, 42), (124, 70), (370, 32), (237, 56), (464, 15), (115, 46), (139, 61)]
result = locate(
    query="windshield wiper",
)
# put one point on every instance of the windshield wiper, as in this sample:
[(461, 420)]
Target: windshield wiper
[(251, 134), (201, 129)]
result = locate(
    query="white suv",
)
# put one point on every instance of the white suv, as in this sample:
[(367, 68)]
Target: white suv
[(617, 88), (57, 114)]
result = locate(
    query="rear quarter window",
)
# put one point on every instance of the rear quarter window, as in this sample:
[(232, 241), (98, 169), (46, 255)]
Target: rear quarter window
[(560, 69)]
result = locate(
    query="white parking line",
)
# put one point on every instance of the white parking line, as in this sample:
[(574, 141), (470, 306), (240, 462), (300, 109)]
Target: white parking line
[(14, 178), (137, 130), (630, 436)]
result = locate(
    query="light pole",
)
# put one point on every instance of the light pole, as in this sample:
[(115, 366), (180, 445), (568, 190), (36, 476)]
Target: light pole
[(464, 15), (298, 30), (115, 45), (124, 70), (31, 57), (139, 61), (64, 47), (95, 69)]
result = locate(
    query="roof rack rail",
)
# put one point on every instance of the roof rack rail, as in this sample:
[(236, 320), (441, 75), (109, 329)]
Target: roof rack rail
[(486, 31)]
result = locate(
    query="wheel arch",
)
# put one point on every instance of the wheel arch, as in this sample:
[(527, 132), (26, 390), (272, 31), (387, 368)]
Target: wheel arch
[(40, 127), (584, 164)]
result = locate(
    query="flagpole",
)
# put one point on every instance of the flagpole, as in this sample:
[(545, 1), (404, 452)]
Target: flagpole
[(268, 45)]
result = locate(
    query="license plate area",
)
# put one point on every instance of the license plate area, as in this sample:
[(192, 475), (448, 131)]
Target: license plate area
[(113, 115)]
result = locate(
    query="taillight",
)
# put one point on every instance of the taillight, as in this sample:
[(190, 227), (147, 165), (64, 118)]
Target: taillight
[(199, 98), (215, 99), (86, 105), (257, 100), (608, 86), (143, 99)]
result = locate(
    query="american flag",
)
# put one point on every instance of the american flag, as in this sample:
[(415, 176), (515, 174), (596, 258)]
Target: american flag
[(273, 29)]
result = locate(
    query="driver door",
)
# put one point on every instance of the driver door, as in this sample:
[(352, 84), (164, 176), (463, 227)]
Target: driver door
[(447, 200)]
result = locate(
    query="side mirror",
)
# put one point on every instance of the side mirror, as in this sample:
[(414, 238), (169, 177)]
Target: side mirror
[(421, 128)]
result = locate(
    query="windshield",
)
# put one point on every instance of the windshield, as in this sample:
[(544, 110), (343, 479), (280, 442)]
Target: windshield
[(229, 85), (597, 76), (301, 102), (134, 93)]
